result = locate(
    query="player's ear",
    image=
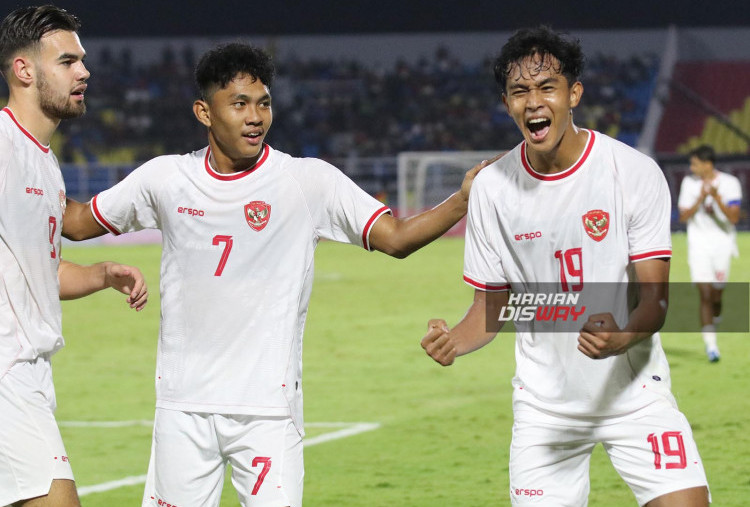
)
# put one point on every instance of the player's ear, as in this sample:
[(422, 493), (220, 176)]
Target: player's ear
[(505, 102), (22, 69), (202, 111), (576, 91)]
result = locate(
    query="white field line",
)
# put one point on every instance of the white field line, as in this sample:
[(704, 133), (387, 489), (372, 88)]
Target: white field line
[(347, 430)]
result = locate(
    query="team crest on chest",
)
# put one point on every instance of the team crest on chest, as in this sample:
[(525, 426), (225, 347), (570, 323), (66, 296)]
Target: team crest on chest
[(257, 214), (596, 224)]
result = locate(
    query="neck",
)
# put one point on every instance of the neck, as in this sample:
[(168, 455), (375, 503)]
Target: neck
[(223, 164), (709, 175), (563, 155), (38, 124)]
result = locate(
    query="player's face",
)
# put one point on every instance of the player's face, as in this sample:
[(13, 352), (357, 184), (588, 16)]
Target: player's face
[(540, 100), (700, 168), (239, 118), (61, 75)]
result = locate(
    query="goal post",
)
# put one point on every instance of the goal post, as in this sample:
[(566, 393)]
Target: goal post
[(426, 178)]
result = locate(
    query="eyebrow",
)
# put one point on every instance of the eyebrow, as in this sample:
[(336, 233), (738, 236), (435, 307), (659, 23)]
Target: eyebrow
[(247, 98), (71, 56), (551, 79)]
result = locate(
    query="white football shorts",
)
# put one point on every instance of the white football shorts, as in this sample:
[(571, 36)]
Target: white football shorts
[(652, 449), (190, 451), (710, 264), (32, 453)]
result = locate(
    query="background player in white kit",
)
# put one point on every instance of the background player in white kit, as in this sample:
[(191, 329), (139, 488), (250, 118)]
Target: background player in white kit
[(709, 202), (240, 223), (41, 58), (599, 211)]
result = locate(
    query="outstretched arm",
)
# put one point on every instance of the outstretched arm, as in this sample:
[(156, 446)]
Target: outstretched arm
[(399, 237), (79, 222), (475, 330), (77, 281), (601, 337)]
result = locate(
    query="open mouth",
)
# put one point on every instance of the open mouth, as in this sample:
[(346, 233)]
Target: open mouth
[(253, 137), (538, 127)]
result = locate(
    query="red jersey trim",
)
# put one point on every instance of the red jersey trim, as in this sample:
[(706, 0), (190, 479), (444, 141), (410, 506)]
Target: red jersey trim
[(487, 287), (45, 149), (368, 226), (100, 218), (651, 255), (562, 174), (231, 177)]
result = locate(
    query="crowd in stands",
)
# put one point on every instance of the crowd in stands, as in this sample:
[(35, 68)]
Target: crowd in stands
[(334, 109)]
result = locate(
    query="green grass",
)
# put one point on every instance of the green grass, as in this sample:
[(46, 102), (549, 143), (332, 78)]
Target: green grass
[(445, 431)]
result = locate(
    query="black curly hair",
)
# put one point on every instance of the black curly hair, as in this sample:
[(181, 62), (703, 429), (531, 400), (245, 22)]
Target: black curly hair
[(218, 66), (543, 42)]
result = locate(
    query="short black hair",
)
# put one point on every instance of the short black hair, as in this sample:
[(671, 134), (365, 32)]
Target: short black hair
[(541, 41), (704, 153), (218, 66), (24, 28)]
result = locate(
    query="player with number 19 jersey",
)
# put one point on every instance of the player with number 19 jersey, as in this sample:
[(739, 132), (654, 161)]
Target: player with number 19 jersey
[(573, 230), (237, 260), (31, 212)]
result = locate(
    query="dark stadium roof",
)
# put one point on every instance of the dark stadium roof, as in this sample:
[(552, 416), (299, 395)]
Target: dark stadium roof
[(119, 18)]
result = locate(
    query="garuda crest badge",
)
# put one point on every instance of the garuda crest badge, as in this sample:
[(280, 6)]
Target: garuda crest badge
[(596, 224)]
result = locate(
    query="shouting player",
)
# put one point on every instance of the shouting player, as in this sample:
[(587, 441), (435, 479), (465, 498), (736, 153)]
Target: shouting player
[(240, 223), (709, 202), (600, 214), (41, 59)]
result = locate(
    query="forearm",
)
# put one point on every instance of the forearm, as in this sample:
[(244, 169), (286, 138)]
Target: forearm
[(687, 213), (401, 237), (480, 325), (77, 281), (731, 212), (646, 319)]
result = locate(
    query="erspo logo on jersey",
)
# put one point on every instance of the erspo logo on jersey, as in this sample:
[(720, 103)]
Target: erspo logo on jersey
[(529, 492), (528, 236), (190, 211), (35, 191)]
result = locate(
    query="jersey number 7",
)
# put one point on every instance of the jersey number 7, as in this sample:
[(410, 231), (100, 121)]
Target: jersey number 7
[(227, 240)]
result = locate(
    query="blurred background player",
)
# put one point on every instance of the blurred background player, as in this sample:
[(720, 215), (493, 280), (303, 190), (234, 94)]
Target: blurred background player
[(709, 202), (240, 223), (41, 59), (602, 210)]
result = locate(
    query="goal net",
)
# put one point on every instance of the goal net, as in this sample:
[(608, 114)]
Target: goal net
[(427, 178)]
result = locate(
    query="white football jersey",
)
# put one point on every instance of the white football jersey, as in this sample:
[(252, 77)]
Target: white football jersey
[(576, 230), (31, 212), (236, 271), (709, 226)]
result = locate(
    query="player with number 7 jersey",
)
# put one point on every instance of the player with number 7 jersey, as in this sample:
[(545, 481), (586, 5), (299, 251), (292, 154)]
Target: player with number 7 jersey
[(240, 222)]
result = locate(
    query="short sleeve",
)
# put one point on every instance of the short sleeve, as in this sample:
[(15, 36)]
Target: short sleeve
[(341, 211), (130, 205), (483, 268), (733, 194), (649, 234)]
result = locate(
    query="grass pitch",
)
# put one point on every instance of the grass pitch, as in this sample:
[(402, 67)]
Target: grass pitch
[(445, 432)]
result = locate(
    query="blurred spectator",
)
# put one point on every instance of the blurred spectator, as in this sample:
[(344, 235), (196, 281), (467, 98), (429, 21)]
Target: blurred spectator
[(337, 109)]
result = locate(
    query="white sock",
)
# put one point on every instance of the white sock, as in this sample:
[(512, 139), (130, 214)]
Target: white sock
[(709, 336)]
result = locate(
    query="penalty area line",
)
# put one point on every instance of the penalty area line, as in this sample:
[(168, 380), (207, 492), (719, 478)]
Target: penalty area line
[(347, 430)]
